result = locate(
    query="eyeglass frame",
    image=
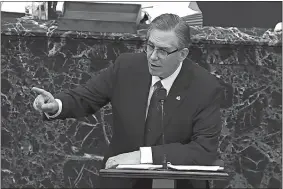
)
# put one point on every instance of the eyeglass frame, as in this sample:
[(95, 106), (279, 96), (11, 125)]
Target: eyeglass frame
[(168, 53)]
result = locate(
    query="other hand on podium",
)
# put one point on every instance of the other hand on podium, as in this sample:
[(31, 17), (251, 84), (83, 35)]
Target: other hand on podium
[(121, 159)]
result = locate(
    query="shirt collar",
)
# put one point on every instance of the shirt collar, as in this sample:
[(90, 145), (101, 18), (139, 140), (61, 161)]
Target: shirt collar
[(168, 81)]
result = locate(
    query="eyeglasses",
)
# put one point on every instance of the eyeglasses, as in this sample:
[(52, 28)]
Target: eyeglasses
[(160, 52)]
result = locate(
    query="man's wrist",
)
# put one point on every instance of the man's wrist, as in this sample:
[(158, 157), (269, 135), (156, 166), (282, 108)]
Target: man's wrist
[(53, 113), (57, 112)]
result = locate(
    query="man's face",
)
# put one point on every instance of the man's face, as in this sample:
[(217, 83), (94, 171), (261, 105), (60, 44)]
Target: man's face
[(163, 66)]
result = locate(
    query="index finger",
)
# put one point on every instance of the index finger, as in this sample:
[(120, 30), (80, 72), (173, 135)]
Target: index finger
[(40, 91)]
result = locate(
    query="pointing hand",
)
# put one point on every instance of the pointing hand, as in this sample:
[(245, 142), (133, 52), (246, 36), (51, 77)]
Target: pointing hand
[(45, 102)]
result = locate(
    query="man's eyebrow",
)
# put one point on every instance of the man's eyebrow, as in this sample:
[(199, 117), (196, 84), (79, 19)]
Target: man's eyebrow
[(165, 48)]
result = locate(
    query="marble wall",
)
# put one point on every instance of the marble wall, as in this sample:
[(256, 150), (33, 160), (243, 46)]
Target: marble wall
[(57, 154)]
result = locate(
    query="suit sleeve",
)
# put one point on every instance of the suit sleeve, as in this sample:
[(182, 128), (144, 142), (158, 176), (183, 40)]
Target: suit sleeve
[(202, 149), (88, 98)]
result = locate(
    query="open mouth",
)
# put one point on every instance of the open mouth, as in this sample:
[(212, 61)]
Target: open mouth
[(152, 65)]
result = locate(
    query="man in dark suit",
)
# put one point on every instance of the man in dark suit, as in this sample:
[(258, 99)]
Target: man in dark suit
[(192, 111)]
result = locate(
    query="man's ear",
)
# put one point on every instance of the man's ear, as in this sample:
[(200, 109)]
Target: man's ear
[(184, 53)]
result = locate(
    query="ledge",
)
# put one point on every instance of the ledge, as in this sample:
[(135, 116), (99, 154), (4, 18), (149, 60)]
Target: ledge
[(199, 35)]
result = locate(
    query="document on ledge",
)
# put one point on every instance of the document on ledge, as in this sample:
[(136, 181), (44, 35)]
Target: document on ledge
[(139, 166), (172, 167), (195, 167)]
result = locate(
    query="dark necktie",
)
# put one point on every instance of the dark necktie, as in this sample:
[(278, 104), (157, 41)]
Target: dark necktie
[(153, 119)]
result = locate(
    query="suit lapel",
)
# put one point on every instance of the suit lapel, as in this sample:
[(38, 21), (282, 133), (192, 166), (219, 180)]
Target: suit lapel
[(140, 85), (175, 97), (178, 91)]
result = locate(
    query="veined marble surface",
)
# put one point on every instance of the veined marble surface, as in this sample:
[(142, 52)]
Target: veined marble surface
[(214, 35), (63, 154)]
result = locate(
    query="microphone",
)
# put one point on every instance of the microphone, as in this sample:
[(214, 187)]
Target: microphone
[(161, 95)]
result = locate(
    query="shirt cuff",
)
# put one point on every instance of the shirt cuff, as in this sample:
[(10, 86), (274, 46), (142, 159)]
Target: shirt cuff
[(146, 155), (59, 110)]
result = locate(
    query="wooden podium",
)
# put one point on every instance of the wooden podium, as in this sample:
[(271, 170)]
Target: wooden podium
[(164, 174)]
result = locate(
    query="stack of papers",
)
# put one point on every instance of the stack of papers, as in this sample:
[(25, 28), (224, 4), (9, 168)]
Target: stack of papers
[(194, 20), (188, 10), (172, 167)]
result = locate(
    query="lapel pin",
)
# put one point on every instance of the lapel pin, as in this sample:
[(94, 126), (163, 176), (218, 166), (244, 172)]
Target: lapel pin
[(178, 98)]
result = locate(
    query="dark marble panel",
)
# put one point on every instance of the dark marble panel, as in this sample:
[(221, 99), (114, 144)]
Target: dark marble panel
[(57, 154), (252, 131)]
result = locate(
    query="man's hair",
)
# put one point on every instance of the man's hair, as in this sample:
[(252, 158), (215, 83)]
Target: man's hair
[(172, 22)]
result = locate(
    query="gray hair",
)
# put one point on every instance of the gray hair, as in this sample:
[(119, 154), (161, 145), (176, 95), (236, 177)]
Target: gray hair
[(172, 22)]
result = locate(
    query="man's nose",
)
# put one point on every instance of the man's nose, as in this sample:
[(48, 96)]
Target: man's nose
[(153, 55)]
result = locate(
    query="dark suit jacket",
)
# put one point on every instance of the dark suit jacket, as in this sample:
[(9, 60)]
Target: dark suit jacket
[(192, 124)]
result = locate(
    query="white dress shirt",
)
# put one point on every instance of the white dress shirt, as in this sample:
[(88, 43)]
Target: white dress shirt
[(146, 153)]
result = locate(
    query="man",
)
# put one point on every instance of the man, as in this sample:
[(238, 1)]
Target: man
[(192, 113)]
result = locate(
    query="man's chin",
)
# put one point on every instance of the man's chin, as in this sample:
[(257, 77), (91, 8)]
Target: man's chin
[(153, 73), (156, 74)]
